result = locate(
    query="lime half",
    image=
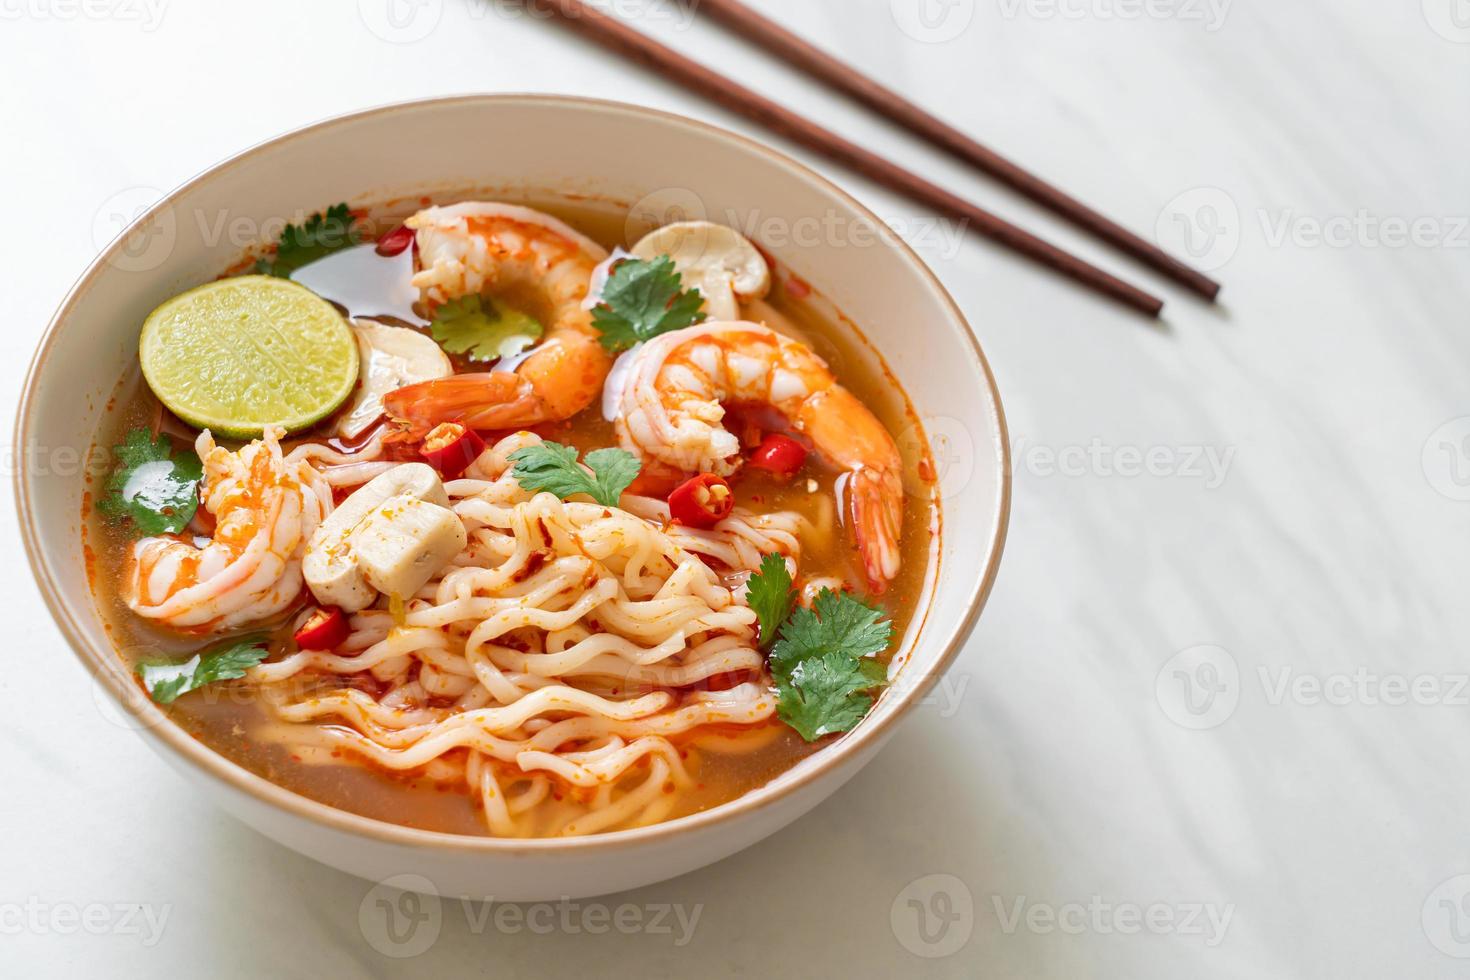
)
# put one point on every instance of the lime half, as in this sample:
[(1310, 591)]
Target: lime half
[(239, 354)]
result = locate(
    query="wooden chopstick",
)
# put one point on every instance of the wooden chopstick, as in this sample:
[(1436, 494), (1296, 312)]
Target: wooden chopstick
[(767, 34), (621, 39)]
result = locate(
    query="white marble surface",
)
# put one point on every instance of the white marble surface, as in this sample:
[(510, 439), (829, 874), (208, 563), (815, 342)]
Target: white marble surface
[(1326, 543)]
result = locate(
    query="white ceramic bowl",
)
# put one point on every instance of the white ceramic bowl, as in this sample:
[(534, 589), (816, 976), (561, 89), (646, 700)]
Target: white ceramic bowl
[(675, 167)]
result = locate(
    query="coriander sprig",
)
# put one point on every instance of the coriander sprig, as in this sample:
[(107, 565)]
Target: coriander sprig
[(483, 329), (152, 487), (224, 661), (553, 467), (315, 238), (824, 662), (770, 594), (642, 299)]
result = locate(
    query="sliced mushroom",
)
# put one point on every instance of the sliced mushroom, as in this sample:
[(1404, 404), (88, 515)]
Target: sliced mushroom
[(331, 565), (722, 263), (392, 357)]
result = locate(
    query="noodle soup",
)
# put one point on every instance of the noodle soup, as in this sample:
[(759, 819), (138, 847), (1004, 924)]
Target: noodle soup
[(588, 534)]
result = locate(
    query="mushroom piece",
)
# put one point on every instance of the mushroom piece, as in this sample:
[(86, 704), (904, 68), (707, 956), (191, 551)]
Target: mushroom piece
[(392, 357), (391, 535), (722, 263)]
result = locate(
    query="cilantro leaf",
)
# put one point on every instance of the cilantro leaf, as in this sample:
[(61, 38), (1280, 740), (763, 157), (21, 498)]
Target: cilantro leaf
[(827, 694), (315, 238), (152, 487), (643, 299), (770, 594), (482, 329), (823, 664), (615, 470), (552, 466), (225, 661), (837, 621)]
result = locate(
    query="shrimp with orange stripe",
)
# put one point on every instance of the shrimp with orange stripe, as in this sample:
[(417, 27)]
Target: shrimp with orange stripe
[(265, 507), (672, 406), (506, 249)]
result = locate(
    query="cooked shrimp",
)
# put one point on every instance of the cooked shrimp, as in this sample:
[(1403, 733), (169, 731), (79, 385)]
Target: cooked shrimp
[(265, 507), (671, 409), (504, 249)]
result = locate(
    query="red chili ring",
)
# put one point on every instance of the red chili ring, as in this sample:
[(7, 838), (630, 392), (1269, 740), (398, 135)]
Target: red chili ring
[(326, 629), (701, 502), (451, 448)]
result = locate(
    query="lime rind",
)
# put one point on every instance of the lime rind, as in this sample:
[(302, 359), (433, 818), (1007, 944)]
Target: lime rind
[(237, 355)]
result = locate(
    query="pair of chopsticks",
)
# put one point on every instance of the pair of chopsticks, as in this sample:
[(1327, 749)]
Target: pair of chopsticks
[(621, 39)]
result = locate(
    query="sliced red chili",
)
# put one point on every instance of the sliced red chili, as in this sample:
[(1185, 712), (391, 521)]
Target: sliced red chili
[(780, 455), (326, 629), (702, 502), (450, 448), (395, 241)]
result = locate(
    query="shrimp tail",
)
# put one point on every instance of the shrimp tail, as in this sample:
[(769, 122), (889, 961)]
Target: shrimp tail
[(877, 520), (491, 400)]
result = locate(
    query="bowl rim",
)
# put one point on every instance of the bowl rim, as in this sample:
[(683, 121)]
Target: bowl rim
[(235, 777)]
